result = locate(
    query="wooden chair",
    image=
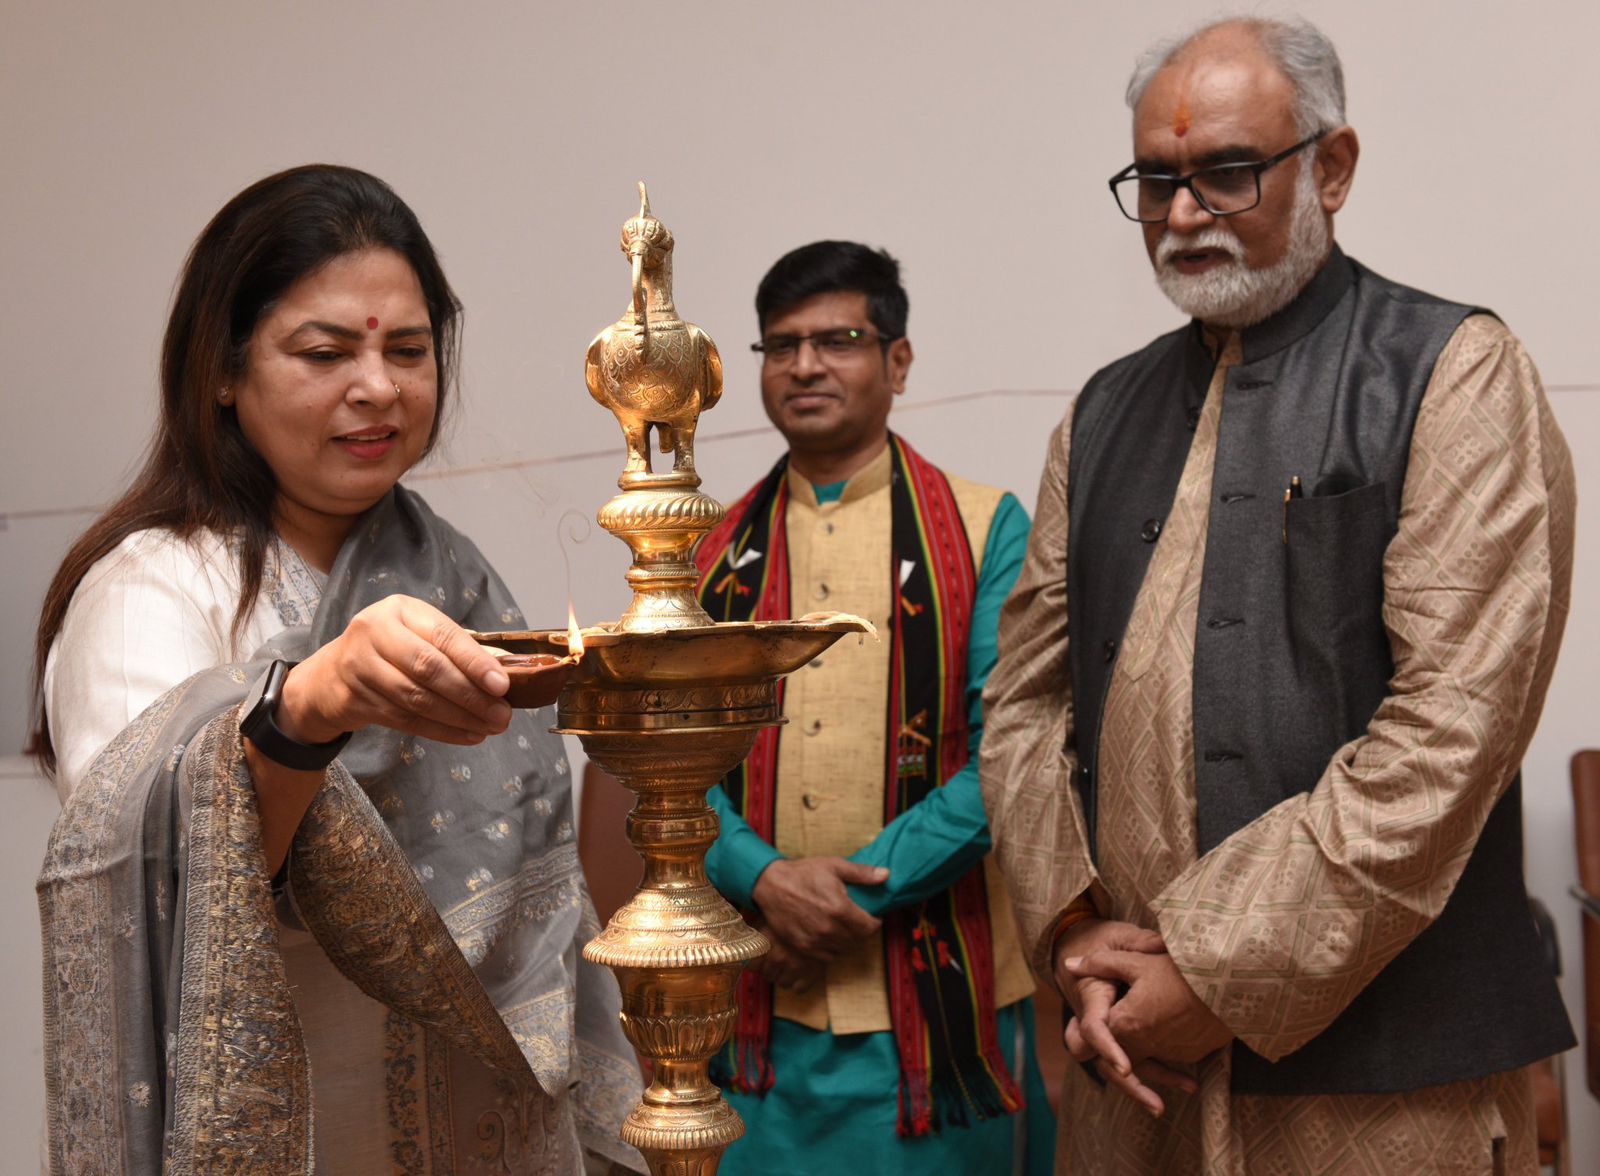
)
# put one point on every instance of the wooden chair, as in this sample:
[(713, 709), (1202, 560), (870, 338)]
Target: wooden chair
[(611, 865), (1586, 811), (1548, 1075), (1050, 1020)]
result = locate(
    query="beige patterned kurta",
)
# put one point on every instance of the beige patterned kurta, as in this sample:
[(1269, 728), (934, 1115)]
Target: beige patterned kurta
[(1280, 926)]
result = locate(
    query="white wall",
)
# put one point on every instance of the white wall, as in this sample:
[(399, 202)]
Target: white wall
[(972, 140)]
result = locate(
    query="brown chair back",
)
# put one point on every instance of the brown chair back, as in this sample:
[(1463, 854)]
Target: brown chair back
[(1586, 811), (611, 866)]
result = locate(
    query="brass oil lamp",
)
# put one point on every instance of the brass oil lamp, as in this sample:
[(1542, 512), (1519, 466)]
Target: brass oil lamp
[(668, 702)]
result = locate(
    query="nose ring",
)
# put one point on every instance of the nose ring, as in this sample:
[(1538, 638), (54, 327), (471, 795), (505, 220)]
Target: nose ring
[(397, 390)]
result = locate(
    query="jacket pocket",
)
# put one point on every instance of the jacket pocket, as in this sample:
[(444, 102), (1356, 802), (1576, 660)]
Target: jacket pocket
[(1334, 546)]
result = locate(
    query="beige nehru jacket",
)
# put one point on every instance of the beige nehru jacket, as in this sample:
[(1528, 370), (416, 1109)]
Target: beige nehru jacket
[(831, 755)]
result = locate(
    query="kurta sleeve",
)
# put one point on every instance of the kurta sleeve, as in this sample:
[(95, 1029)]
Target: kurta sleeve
[(1317, 895), (1028, 775), (146, 617), (931, 845), (738, 855)]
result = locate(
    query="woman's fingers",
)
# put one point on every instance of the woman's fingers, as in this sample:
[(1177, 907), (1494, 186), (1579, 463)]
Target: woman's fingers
[(424, 688), (424, 664), (403, 664), (392, 700), (479, 666)]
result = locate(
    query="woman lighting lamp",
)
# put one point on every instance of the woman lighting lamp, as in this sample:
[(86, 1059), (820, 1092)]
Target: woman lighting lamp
[(311, 869)]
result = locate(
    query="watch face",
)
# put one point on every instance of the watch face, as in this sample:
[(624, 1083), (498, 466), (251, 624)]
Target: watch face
[(262, 700)]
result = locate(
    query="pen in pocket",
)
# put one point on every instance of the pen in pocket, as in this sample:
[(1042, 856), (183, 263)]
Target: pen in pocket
[(1291, 491)]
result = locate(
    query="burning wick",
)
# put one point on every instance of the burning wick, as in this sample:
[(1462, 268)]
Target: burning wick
[(574, 634)]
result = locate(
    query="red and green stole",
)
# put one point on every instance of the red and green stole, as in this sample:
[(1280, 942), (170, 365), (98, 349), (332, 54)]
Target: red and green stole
[(940, 953)]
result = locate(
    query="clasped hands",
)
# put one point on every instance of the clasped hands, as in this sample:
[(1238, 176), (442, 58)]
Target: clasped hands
[(810, 917), (1133, 1012)]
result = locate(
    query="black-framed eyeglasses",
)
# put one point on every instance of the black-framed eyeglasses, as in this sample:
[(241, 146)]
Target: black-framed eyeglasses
[(837, 343), (1223, 190)]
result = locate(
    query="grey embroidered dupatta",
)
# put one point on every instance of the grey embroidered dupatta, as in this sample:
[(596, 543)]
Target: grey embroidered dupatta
[(443, 881)]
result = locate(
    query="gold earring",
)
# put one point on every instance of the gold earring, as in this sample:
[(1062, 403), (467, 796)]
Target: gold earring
[(397, 391)]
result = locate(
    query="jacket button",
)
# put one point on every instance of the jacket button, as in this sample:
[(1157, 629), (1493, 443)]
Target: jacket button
[(1151, 531), (810, 800), (814, 727), (1110, 650)]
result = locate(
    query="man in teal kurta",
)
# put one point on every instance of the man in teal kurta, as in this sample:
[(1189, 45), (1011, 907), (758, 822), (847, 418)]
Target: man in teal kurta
[(891, 1027)]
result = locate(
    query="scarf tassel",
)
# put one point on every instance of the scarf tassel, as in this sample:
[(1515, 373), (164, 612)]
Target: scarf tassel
[(748, 1057)]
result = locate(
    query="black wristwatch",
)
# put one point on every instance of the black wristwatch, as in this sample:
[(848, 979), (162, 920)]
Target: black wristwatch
[(260, 726)]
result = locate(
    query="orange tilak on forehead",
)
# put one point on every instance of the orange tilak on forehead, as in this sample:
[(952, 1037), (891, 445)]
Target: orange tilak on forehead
[(1182, 120)]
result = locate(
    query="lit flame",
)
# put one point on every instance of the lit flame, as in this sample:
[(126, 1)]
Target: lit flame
[(574, 634)]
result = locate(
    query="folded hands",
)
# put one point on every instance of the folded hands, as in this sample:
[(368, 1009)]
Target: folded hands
[(1133, 1012), (807, 913)]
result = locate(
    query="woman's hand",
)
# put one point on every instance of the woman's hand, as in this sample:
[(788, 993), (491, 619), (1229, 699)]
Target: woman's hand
[(402, 664)]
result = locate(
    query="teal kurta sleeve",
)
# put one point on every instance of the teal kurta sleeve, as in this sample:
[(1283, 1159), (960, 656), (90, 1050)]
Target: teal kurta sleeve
[(737, 857), (929, 847)]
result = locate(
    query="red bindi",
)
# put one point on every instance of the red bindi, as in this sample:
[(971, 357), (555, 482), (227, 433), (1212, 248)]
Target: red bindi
[(372, 322)]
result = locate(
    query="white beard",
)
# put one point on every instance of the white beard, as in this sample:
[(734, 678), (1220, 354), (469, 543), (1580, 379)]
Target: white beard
[(1233, 295)]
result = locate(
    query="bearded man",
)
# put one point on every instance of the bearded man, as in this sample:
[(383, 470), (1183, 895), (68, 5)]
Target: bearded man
[(1259, 809)]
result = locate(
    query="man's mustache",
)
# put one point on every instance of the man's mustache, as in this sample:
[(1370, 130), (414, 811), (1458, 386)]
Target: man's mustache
[(1212, 237)]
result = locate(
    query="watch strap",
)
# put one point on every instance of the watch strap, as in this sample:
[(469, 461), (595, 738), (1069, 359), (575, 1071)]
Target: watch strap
[(259, 725)]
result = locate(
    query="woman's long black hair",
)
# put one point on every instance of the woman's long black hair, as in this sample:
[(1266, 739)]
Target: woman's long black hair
[(200, 472)]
